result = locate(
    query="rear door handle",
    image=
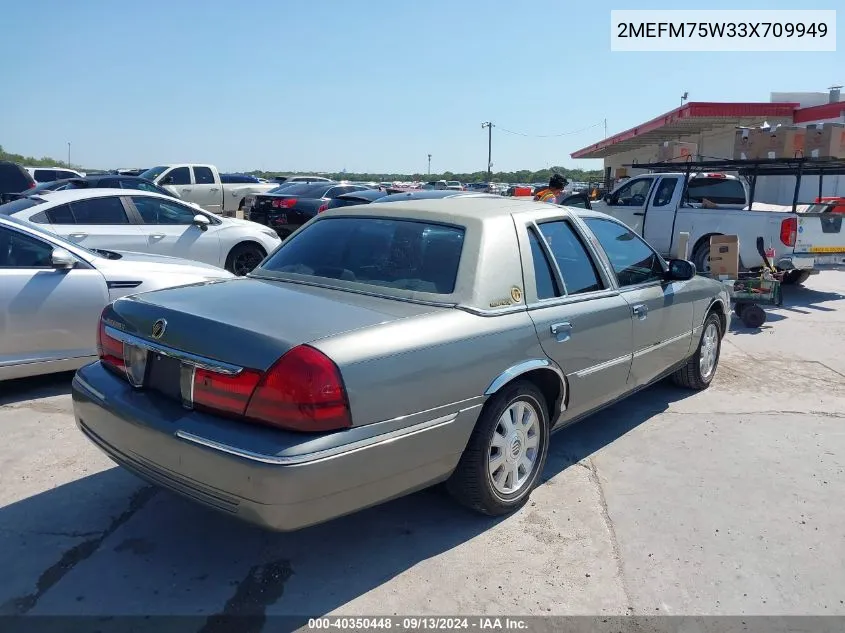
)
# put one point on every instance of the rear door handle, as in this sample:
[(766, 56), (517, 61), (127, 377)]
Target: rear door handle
[(640, 213), (640, 311), (214, 189), (562, 331), (186, 190), (77, 236), (157, 236)]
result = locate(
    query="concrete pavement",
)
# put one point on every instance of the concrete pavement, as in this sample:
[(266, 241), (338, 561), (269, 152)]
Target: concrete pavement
[(721, 502)]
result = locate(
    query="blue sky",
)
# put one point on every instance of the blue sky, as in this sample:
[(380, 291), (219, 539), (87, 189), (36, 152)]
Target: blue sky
[(361, 85)]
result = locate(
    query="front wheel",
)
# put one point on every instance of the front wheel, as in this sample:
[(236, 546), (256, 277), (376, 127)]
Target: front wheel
[(506, 453), (244, 258), (700, 369)]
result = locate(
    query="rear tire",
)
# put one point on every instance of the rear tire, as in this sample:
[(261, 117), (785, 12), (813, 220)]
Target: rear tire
[(506, 452), (795, 277), (244, 257), (753, 316), (701, 367), (701, 257)]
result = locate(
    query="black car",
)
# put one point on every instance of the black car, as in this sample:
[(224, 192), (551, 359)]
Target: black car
[(14, 180), (288, 207), (107, 181), (357, 197)]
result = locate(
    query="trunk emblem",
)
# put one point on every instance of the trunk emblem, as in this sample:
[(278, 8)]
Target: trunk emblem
[(159, 328)]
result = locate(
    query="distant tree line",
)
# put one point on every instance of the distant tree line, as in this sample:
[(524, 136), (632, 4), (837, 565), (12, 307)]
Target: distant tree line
[(31, 161), (521, 176)]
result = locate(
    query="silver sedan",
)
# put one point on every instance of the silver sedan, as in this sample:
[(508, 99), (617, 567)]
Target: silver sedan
[(53, 291), (388, 347)]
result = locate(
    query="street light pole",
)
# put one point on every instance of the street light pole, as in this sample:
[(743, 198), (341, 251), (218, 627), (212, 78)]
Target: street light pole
[(429, 164), (68, 153), (489, 126)]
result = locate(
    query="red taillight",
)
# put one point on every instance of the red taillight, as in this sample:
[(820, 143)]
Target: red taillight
[(323, 207), (109, 349), (287, 203), (302, 391), (789, 231), (224, 393)]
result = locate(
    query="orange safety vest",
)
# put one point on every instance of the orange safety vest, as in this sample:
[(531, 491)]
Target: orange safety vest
[(544, 195)]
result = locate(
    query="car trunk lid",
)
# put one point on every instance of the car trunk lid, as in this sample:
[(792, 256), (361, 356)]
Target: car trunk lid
[(251, 322)]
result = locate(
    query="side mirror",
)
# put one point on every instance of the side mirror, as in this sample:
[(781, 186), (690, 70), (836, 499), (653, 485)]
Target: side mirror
[(201, 221), (62, 259), (166, 180), (680, 270), (606, 198)]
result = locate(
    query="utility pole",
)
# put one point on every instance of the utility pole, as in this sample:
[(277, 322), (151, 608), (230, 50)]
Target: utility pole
[(489, 126), (605, 128), (68, 153), (429, 164)]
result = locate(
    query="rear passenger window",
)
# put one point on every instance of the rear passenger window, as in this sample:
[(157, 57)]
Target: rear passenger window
[(60, 215), (44, 175), (543, 275), (99, 211), (576, 266), (203, 176)]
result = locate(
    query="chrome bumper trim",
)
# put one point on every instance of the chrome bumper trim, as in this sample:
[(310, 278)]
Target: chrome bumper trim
[(328, 453)]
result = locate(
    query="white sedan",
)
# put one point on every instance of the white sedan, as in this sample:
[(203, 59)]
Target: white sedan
[(52, 293), (147, 222)]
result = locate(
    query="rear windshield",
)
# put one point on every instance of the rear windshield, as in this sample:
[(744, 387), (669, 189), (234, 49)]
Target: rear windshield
[(402, 254), (718, 190), (303, 189), (19, 205)]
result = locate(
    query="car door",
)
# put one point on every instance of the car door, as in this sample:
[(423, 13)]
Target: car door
[(662, 312), (48, 314), (100, 222), (659, 219), (206, 192), (169, 229), (581, 321), (628, 203)]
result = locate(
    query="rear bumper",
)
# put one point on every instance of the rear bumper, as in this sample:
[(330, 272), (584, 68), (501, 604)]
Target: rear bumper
[(822, 261), (797, 261), (278, 480)]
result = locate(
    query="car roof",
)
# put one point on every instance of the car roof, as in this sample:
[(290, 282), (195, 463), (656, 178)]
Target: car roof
[(69, 195), (461, 210)]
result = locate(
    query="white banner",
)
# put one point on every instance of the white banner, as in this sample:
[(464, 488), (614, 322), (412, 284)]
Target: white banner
[(707, 30)]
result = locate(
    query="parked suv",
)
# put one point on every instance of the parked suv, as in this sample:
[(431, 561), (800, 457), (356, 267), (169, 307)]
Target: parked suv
[(49, 174), (13, 180)]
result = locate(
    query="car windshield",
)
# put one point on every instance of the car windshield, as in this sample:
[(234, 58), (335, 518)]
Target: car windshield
[(153, 173), (383, 252)]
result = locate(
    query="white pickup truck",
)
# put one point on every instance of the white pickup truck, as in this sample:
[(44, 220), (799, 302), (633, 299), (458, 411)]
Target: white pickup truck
[(658, 207), (201, 184)]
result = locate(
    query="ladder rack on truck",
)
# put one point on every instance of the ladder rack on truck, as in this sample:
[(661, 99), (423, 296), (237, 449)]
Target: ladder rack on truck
[(750, 169)]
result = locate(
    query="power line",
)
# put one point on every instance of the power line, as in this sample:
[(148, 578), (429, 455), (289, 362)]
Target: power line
[(590, 127)]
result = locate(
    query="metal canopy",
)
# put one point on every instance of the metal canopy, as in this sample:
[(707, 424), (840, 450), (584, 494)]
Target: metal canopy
[(690, 119)]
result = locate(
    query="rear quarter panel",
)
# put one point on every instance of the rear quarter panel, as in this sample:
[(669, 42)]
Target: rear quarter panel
[(431, 365)]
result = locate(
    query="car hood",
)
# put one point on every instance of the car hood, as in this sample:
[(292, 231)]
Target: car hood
[(146, 263)]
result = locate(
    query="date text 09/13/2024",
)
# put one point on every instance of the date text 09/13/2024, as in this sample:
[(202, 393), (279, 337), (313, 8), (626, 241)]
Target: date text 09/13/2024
[(416, 623)]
